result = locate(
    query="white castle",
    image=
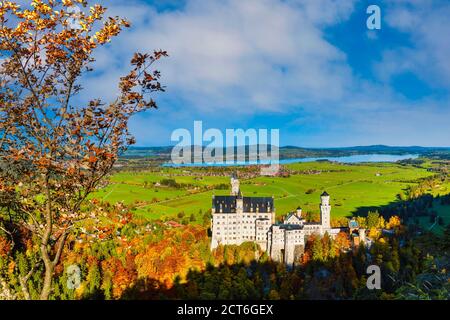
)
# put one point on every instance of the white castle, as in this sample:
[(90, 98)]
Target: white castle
[(237, 219)]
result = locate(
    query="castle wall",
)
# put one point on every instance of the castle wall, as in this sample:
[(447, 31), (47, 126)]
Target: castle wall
[(236, 228), (261, 231), (292, 238), (312, 228), (277, 244)]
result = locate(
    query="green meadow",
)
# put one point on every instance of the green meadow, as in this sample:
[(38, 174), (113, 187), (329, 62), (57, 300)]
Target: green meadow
[(353, 188)]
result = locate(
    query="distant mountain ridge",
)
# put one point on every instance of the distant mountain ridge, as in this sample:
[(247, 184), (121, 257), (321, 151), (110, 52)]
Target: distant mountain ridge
[(289, 152)]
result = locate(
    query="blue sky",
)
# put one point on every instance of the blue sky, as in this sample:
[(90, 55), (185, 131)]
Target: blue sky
[(309, 68)]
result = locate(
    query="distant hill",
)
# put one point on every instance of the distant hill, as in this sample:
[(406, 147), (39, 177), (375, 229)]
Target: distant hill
[(289, 152)]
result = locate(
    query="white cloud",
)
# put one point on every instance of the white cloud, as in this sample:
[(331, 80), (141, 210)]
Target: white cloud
[(243, 56), (427, 25), (233, 59)]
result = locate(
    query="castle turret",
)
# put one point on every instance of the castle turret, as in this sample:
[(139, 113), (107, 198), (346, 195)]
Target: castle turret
[(239, 202), (325, 198), (299, 212), (235, 189), (325, 210)]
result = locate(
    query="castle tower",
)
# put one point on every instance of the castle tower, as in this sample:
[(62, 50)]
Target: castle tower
[(234, 185), (299, 212), (239, 202), (325, 210)]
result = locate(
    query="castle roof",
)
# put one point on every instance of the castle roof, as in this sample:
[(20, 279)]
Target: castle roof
[(312, 223), (289, 226), (289, 215), (226, 203), (325, 194), (292, 214), (262, 203), (250, 204)]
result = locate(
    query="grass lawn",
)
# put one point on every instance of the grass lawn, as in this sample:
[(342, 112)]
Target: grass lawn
[(352, 187)]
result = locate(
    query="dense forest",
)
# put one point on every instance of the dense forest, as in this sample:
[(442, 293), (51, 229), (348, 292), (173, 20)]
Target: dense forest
[(119, 256)]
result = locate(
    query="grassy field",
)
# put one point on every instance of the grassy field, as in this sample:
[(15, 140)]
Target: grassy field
[(352, 188)]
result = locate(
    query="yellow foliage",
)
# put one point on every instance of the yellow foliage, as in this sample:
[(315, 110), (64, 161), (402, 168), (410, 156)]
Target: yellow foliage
[(67, 3), (11, 267), (374, 233), (381, 222), (79, 292), (361, 222), (394, 222)]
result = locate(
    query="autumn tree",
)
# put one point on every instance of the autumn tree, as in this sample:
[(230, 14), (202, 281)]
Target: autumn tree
[(54, 150), (372, 219)]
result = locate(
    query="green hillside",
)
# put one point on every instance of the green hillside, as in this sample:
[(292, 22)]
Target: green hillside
[(352, 188)]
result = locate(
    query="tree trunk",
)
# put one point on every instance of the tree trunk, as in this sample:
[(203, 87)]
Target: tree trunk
[(50, 265), (46, 289), (45, 251)]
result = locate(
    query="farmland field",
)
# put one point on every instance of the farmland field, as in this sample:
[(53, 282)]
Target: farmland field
[(352, 188)]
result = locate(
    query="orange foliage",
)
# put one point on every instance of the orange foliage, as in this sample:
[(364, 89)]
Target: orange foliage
[(169, 257), (342, 240), (5, 247), (123, 276)]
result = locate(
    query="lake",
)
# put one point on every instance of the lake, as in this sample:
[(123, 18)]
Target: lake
[(361, 158)]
